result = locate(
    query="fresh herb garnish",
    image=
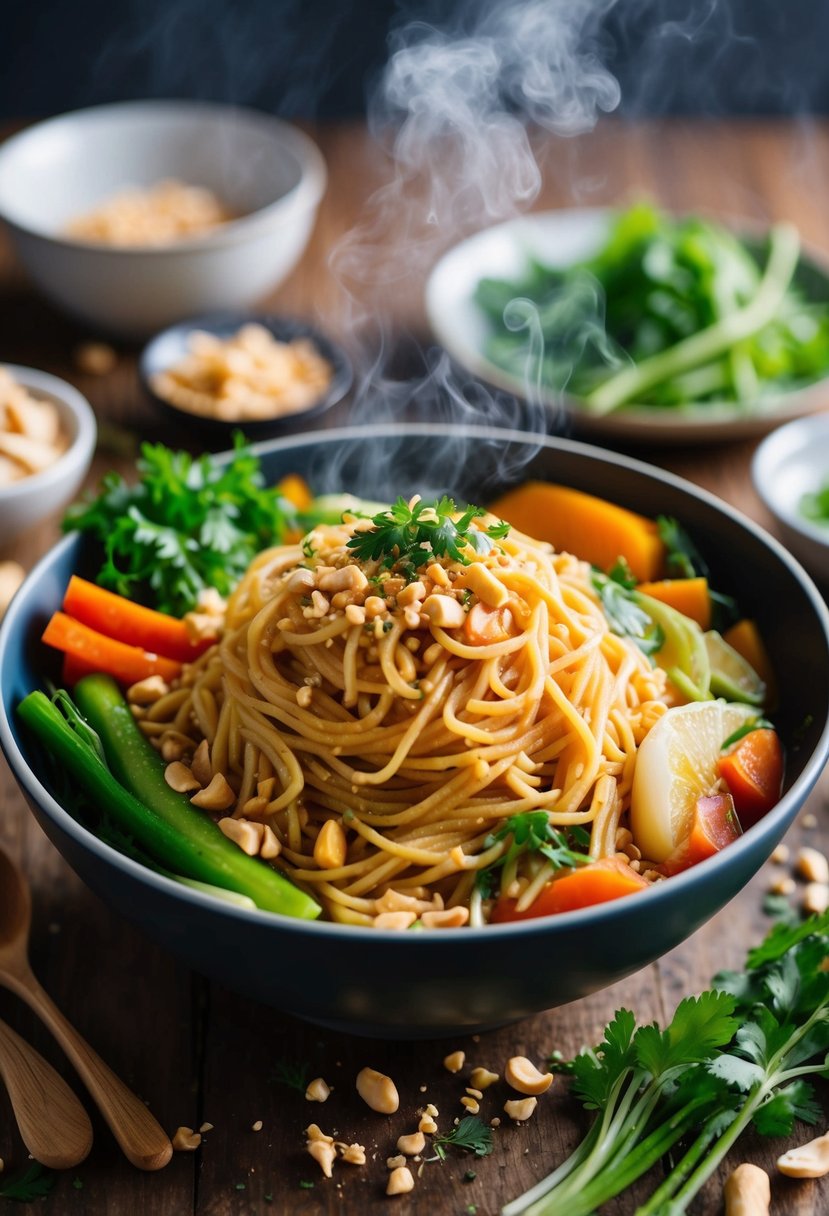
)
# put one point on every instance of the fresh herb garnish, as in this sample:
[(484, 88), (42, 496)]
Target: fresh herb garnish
[(532, 832), (291, 1074), (419, 533), (684, 560), (189, 524), (31, 1184), (624, 614), (471, 1134), (739, 1054)]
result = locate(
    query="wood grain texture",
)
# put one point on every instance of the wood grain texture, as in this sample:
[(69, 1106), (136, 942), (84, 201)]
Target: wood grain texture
[(198, 1052)]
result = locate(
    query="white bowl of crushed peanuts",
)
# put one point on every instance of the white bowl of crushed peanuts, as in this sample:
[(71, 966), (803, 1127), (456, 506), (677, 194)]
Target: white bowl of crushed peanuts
[(136, 215), (47, 438)]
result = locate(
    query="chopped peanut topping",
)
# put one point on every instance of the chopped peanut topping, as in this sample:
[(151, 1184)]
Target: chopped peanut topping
[(395, 920), (217, 796), (454, 1061), (352, 1154), (330, 846), (200, 764), (443, 611), (314, 1132), (180, 778), (148, 691), (247, 835)]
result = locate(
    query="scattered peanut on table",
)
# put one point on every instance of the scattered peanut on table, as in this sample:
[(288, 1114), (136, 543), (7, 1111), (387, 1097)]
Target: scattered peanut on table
[(747, 1191)]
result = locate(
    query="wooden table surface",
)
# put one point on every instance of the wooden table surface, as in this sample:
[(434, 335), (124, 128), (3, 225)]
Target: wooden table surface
[(199, 1053)]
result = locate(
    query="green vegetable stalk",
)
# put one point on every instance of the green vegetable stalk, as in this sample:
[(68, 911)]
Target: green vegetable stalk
[(164, 824), (739, 1054)]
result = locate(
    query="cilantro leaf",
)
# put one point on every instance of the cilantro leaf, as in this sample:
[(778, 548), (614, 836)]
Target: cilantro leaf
[(624, 614), (532, 832), (419, 533), (699, 1026), (471, 1134), (777, 1114)]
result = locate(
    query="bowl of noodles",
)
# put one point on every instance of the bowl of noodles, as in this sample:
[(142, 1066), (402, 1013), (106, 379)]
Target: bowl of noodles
[(436, 735)]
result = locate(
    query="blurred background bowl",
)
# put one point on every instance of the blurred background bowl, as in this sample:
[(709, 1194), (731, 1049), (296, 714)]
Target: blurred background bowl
[(425, 985), (790, 462), (264, 170), (171, 345), (35, 498)]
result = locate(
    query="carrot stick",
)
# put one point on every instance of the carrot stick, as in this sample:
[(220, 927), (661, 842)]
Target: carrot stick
[(127, 664), (119, 618)]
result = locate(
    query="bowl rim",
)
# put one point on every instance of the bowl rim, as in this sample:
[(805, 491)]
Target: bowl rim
[(781, 444), (342, 368), (304, 196), (82, 444), (586, 917)]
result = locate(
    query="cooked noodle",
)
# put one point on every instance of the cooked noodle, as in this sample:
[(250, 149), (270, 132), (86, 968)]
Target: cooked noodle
[(418, 739)]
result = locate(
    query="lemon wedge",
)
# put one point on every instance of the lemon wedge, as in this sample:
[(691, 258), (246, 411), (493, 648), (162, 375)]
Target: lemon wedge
[(677, 764), (732, 676)]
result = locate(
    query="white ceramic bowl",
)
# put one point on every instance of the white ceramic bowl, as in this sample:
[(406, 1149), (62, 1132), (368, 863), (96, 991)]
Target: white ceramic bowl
[(560, 238), (265, 170), (27, 502), (790, 462)]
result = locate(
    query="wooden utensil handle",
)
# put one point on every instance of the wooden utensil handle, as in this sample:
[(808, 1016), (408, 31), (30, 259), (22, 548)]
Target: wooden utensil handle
[(142, 1139), (54, 1126)]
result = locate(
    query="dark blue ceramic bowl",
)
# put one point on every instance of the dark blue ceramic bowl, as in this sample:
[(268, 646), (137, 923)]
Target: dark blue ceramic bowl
[(427, 985)]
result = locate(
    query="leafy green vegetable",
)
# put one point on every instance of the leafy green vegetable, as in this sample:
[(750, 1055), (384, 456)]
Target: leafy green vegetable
[(471, 1134), (415, 535), (814, 505), (532, 832), (624, 614), (669, 311), (189, 523), (738, 1054), (31, 1184)]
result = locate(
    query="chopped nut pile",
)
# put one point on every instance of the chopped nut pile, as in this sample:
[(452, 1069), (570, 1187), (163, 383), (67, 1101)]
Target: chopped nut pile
[(249, 375), (31, 438), (156, 215)]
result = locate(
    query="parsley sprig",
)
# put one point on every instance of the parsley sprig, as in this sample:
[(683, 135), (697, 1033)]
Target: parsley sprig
[(417, 534), (188, 524), (471, 1134), (738, 1054)]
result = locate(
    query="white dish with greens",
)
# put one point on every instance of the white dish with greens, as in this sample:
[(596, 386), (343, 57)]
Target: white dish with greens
[(638, 324)]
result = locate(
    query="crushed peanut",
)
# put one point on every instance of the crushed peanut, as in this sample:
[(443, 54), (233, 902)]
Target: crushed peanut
[(180, 778), (317, 1090), (31, 437), (324, 1153), (520, 1109), (482, 1078), (217, 796), (400, 1181), (812, 865), (412, 1144), (522, 1075), (186, 1140), (377, 1091), (454, 1061)]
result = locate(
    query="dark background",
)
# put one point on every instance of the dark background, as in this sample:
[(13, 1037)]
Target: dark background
[(318, 58)]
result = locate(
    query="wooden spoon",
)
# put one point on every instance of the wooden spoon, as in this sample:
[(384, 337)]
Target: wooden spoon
[(54, 1126), (143, 1140)]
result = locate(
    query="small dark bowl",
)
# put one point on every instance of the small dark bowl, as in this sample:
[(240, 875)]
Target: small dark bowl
[(169, 346), (425, 985)]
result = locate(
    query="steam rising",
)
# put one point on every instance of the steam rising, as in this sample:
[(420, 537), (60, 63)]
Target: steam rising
[(456, 108)]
